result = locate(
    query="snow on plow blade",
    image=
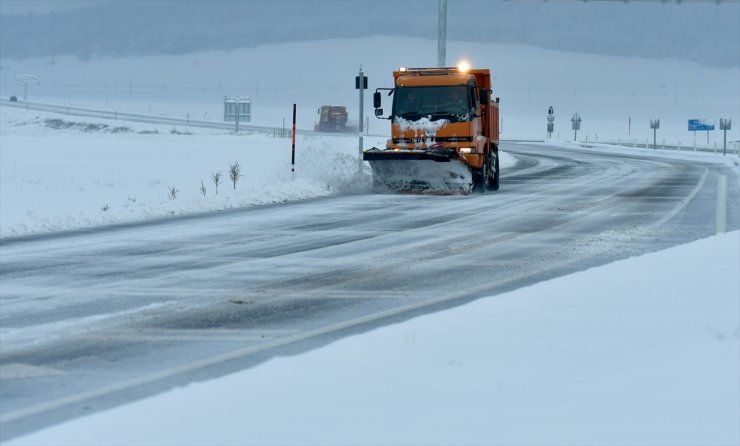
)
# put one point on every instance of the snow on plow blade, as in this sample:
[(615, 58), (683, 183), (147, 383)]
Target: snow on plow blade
[(438, 171)]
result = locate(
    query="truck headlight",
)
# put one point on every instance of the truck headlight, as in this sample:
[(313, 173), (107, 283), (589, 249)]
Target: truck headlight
[(467, 149)]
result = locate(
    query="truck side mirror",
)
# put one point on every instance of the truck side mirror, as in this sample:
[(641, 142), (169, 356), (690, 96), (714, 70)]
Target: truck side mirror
[(378, 112), (483, 96), (376, 100)]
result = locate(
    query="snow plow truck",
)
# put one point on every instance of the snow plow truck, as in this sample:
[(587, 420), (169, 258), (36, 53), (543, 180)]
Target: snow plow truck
[(332, 118), (444, 132)]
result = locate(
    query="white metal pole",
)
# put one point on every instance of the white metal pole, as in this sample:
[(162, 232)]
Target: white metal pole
[(361, 121)]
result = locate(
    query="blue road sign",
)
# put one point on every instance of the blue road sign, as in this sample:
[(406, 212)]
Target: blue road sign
[(700, 124)]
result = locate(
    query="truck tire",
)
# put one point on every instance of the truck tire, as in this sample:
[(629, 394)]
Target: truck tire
[(479, 179), (493, 179)]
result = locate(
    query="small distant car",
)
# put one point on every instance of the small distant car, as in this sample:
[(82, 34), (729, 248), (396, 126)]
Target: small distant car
[(13, 99)]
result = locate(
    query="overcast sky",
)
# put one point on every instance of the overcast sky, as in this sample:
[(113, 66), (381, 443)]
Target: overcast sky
[(705, 33), (42, 6)]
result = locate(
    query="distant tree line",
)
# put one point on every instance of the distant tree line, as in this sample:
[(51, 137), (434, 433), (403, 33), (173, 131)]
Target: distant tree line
[(707, 33)]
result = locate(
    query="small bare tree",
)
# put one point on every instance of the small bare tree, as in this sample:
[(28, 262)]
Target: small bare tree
[(216, 177), (234, 173), (173, 192), (105, 207), (202, 188)]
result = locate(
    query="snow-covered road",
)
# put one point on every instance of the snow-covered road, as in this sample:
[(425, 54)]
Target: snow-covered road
[(135, 309)]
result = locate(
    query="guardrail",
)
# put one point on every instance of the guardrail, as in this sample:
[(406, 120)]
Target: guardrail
[(286, 132), (733, 147), (155, 119)]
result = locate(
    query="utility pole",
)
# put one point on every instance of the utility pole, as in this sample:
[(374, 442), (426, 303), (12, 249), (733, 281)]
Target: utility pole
[(442, 34)]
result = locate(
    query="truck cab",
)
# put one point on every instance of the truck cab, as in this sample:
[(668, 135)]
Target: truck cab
[(446, 110)]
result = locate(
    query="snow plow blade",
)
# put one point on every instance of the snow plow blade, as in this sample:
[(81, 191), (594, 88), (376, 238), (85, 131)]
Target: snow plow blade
[(435, 171)]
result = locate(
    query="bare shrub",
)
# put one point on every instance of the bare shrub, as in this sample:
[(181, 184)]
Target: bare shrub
[(58, 123), (132, 199), (202, 188), (234, 173), (173, 192), (85, 126), (105, 207), (216, 177), (90, 127)]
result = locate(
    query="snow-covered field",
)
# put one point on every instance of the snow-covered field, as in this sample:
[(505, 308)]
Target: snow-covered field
[(55, 179)]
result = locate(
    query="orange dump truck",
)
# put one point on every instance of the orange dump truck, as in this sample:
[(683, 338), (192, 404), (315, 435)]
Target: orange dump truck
[(444, 132), (332, 118)]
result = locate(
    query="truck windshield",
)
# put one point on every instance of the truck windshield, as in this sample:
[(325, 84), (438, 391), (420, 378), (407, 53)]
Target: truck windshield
[(443, 102)]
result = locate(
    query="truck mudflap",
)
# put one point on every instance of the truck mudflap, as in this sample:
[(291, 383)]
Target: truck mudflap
[(433, 171)]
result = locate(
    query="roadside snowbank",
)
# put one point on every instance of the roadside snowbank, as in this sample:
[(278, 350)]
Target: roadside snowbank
[(622, 354), (60, 172)]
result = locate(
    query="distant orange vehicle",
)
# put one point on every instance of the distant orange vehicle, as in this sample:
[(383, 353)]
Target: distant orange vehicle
[(332, 118), (444, 132)]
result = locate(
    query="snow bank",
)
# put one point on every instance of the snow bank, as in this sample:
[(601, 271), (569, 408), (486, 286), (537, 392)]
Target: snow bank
[(60, 172)]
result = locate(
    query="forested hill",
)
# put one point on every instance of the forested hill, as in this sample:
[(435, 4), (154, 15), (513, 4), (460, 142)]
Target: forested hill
[(705, 33)]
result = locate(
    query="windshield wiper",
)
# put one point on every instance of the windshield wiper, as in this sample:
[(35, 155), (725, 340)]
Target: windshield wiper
[(416, 113)]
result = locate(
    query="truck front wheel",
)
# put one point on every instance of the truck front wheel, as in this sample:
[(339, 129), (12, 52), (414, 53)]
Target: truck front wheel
[(494, 172)]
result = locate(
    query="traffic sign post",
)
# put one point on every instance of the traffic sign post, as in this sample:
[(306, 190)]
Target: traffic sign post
[(700, 125), (576, 125), (725, 125), (655, 125)]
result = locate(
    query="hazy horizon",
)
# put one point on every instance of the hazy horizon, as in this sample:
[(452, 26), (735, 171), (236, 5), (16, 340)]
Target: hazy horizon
[(707, 33)]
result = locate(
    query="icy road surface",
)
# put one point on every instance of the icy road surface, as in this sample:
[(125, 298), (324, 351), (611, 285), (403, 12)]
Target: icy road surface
[(92, 319)]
